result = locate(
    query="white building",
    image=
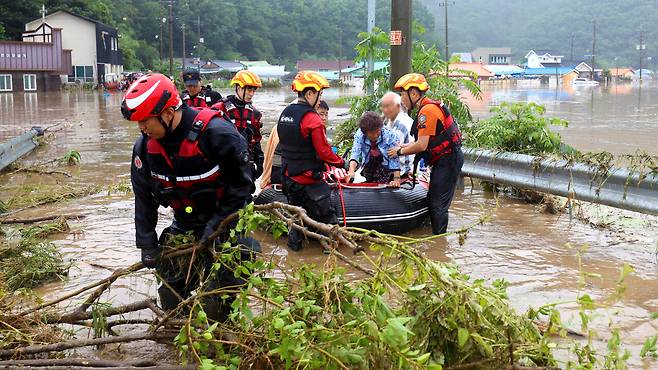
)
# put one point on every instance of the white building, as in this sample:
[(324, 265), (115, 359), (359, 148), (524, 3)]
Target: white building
[(95, 55), (541, 59)]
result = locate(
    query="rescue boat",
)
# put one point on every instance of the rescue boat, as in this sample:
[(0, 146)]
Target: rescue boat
[(371, 206)]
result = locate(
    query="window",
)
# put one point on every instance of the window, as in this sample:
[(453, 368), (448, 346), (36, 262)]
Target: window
[(30, 82), (5, 83), (82, 73)]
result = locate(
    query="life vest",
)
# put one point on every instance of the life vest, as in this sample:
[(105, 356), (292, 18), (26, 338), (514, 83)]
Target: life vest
[(187, 181), (298, 154), (447, 137), (246, 120), (199, 101)]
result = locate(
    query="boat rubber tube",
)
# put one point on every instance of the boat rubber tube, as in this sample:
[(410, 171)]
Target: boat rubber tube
[(371, 206)]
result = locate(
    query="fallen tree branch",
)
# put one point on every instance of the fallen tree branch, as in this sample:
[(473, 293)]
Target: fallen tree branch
[(41, 172), (117, 274), (86, 315), (77, 343), (159, 367), (76, 362), (40, 219)]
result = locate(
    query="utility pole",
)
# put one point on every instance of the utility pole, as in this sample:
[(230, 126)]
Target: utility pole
[(198, 48), (171, 41), (371, 25), (594, 50), (573, 35), (340, 54), (445, 4), (400, 53), (183, 28), (641, 47), (161, 29)]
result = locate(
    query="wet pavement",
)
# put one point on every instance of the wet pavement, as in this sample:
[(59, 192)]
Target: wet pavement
[(536, 252)]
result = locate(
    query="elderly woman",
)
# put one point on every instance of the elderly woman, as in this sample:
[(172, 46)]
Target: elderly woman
[(370, 151)]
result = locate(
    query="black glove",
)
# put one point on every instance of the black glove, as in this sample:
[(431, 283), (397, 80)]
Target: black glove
[(151, 256), (212, 225)]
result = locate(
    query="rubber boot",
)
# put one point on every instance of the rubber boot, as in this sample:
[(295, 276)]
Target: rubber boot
[(295, 240), (218, 309), (169, 301)]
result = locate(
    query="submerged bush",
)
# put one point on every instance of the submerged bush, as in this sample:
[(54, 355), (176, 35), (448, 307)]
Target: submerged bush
[(516, 127)]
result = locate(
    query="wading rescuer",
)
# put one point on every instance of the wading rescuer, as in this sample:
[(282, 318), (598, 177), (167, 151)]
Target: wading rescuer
[(244, 116), (304, 152), (438, 141), (194, 94), (196, 163)]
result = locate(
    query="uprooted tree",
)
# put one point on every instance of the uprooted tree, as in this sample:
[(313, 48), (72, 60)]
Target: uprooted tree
[(401, 311), (383, 305)]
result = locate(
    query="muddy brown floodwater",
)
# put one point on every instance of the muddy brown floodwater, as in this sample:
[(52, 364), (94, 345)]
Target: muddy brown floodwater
[(536, 252)]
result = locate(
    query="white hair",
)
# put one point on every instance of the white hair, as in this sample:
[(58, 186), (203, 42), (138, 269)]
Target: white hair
[(396, 98)]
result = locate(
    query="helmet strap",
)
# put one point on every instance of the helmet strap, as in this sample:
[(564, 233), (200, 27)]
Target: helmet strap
[(413, 103), (244, 92), (317, 98), (167, 126)]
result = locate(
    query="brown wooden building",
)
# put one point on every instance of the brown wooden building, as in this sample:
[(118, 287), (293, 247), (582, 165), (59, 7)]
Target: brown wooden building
[(36, 63)]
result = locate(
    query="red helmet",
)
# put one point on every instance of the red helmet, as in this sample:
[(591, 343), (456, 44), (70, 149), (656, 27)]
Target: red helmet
[(149, 96)]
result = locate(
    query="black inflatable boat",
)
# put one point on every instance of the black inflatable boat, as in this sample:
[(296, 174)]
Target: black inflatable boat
[(371, 206)]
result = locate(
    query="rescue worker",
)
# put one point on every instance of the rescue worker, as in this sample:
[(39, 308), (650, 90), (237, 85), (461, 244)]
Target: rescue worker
[(196, 163), (438, 142), (244, 116), (214, 95), (304, 153), (272, 163), (194, 95)]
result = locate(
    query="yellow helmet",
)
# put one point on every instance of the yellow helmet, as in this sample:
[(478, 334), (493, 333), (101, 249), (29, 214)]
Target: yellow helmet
[(410, 80), (306, 79), (246, 78)]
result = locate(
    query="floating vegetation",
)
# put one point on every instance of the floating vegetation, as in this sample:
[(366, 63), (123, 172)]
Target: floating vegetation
[(27, 259), (71, 158), (37, 195)]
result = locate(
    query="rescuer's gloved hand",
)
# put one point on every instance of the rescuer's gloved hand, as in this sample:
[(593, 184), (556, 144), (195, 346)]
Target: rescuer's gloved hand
[(211, 226), (151, 256)]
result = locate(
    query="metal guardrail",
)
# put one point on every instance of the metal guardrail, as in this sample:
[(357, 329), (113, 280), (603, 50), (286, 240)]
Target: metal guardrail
[(617, 188), (15, 148)]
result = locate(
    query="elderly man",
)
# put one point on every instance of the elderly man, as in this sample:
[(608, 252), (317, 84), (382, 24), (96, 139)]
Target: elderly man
[(400, 122)]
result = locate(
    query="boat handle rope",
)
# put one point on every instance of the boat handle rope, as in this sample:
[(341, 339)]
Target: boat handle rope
[(342, 202)]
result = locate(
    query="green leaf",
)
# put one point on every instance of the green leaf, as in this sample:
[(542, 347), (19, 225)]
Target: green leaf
[(278, 323), (423, 358), (396, 334), (462, 337)]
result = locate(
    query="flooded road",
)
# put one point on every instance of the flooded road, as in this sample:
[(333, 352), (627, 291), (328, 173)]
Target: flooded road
[(535, 251)]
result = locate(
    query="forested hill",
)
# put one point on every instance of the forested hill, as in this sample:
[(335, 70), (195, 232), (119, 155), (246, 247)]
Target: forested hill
[(549, 24), (280, 31)]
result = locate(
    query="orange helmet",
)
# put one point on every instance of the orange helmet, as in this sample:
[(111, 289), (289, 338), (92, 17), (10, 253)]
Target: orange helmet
[(410, 80), (246, 78), (306, 79)]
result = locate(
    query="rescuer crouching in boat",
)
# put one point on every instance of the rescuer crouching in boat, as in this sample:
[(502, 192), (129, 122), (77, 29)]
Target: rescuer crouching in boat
[(304, 153), (198, 164), (370, 151)]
